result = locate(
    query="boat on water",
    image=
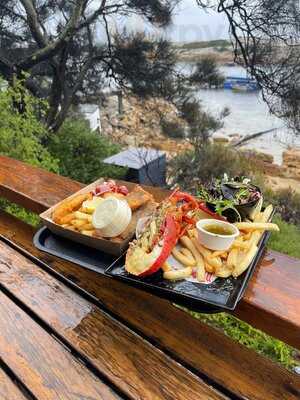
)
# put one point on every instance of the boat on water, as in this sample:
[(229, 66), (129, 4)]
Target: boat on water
[(239, 84)]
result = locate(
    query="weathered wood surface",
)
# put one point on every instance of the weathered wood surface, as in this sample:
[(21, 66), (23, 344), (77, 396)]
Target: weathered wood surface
[(205, 349), (132, 364), (272, 300), (8, 389), (45, 367)]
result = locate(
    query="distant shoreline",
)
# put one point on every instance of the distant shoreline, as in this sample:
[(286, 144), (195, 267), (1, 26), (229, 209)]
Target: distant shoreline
[(194, 52)]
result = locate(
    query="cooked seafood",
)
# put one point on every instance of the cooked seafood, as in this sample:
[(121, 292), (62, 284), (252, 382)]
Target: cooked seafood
[(138, 197)]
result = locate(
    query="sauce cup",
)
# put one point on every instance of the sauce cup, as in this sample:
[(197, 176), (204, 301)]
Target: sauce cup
[(215, 241)]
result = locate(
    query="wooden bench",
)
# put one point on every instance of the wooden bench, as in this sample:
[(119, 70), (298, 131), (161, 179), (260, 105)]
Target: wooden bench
[(100, 339)]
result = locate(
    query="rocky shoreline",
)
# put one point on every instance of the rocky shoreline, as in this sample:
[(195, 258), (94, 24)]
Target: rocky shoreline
[(140, 125), (222, 57)]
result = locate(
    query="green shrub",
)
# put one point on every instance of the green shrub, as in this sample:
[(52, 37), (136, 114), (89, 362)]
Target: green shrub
[(207, 73), (287, 204), (172, 129), (80, 152), (21, 133), (202, 165)]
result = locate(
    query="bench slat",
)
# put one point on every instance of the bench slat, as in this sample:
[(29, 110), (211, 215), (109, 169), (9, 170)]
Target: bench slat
[(133, 365), (8, 389), (198, 345), (272, 299), (46, 368)]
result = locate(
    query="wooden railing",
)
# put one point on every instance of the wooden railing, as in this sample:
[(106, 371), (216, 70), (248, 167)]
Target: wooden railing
[(271, 302)]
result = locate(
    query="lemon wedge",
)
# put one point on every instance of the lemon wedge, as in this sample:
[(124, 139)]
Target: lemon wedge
[(89, 206)]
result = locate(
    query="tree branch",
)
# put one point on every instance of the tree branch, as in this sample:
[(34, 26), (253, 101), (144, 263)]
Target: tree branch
[(54, 47), (92, 18), (33, 22)]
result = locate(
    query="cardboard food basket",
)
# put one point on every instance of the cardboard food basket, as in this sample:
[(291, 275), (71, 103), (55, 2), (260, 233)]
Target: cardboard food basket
[(108, 246)]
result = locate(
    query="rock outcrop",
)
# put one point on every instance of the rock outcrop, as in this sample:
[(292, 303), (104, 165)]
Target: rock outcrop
[(139, 124), (291, 163)]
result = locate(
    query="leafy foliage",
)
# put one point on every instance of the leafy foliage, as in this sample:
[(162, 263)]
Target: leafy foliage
[(210, 161), (207, 73), (287, 204), (172, 129), (141, 63), (80, 152), (21, 133), (58, 44)]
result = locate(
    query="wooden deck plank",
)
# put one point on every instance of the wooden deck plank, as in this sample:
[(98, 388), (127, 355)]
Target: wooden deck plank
[(46, 368), (8, 389), (268, 304), (133, 365), (241, 370)]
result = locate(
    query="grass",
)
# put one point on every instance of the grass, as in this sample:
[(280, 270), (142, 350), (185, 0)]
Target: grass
[(20, 213), (287, 242), (205, 44), (252, 338)]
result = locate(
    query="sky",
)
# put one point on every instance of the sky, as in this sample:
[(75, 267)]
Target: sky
[(190, 23)]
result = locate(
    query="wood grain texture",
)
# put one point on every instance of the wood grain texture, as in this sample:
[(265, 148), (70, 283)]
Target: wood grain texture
[(31, 187), (133, 365), (241, 370), (8, 389), (272, 298), (274, 290), (47, 369)]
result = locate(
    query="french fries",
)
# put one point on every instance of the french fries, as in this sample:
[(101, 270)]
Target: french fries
[(67, 219), (82, 216), (88, 233), (77, 223), (224, 271), (222, 264), (239, 243), (216, 262), (186, 252), (245, 261), (267, 213), (166, 267), (232, 258), (209, 268), (260, 226), (177, 275), (190, 245), (222, 254), (86, 227), (68, 207), (187, 261)]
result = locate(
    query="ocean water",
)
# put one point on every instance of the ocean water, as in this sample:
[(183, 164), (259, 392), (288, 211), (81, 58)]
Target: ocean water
[(249, 114)]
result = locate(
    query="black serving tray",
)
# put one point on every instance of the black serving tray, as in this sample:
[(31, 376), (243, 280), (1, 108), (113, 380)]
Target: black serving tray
[(220, 295), (80, 254)]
